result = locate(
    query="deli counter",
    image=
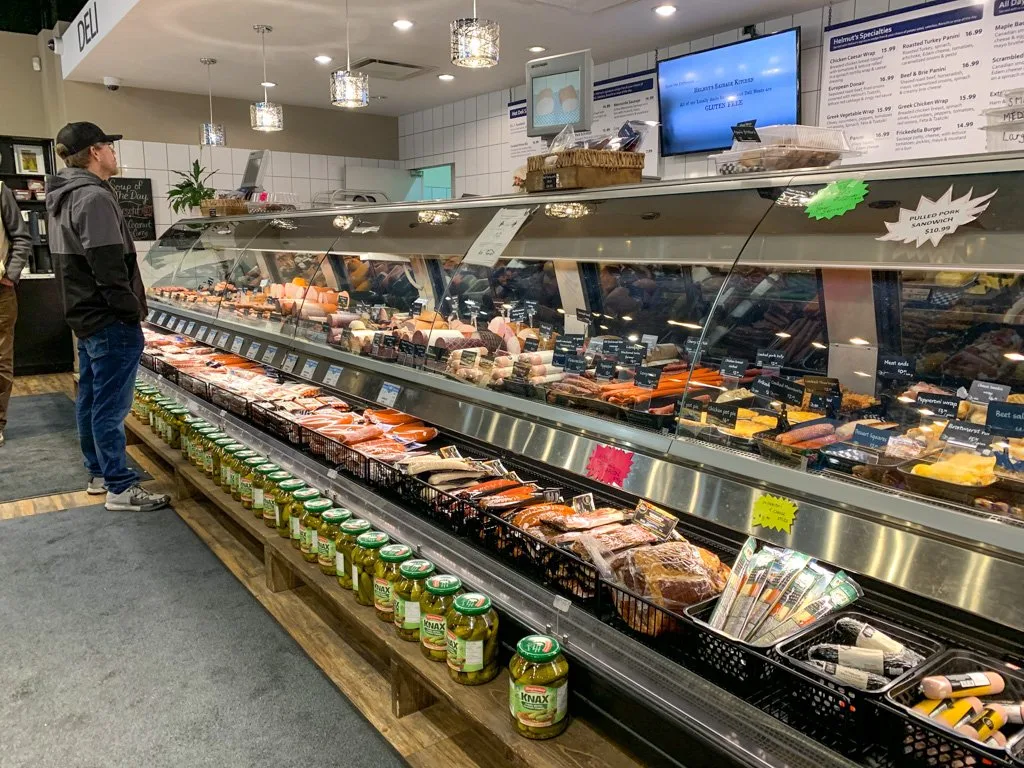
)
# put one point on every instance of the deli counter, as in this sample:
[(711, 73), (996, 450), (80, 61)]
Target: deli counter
[(830, 361)]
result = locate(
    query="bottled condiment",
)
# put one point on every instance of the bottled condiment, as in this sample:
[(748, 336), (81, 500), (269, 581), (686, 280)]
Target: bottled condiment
[(385, 574), (248, 479), (408, 590), (364, 563), (156, 421), (472, 637), (270, 491), (189, 425), (440, 592), (201, 446), (140, 405), (237, 472), (285, 501), (295, 512), (330, 527), (538, 687), (309, 541), (259, 487), (175, 421), (343, 546), (227, 455)]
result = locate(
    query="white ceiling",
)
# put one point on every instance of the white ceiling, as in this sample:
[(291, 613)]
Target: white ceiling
[(159, 43)]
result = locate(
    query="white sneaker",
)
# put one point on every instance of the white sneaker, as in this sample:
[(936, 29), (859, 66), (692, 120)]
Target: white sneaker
[(2, 439), (136, 499), (96, 486)]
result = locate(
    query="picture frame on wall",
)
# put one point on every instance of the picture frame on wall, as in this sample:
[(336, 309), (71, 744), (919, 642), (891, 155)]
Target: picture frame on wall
[(29, 160)]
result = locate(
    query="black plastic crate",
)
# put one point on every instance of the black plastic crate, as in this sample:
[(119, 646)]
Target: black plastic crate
[(165, 369), (196, 386), (447, 510), (229, 401), (383, 476), (276, 423), (336, 453), (651, 624), (737, 666), (146, 360), (919, 741)]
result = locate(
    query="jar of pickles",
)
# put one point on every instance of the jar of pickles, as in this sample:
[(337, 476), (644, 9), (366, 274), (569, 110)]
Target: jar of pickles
[(188, 427), (156, 421), (538, 687), (343, 546), (440, 591), (175, 421), (472, 637), (143, 399), (201, 446), (412, 575), (237, 471), (259, 487), (309, 528), (226, 457), (327, 548), (364, 562), (247, 478), (284, 501), (270, 491), (296, 511), (385, 574)]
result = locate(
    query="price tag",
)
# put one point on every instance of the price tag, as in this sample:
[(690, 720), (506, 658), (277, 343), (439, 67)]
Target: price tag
[(546, 329), (160, 320), (390, 342), (690, 410), (309, 369), (468, 358), (896, 367), (419, 351), (746, 131), (723, 414), (270, 354), (911, 293), (190, 327), (254, 349), (762, 386), (690, 346), (826, 402), (988, 391), (966, 433), (611, 347), (404, 347), (943, 406), (775, 512), (770, 358), (606, 370), (583, 504), (236, 345), (517, 314), (332, 375), (1005, 419), (584, 316), (656, 520), (632, 356), (869, 437), (222, 340), (492, 242), (378, 339), (786, 391), (531, 307), (531, 344), (290, 362), (388, 394), (575, 364), (650, 341), (733, 367), (343, 301), (558, 358), (201, 336), (181, 326), (821, 384), (648, 377)]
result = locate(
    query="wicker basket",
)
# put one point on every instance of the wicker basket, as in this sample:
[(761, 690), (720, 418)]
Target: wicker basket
[(586, 158), (223, 207), (583, 169)]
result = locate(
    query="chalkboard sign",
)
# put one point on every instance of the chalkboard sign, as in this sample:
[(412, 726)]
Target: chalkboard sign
[(135, 196)]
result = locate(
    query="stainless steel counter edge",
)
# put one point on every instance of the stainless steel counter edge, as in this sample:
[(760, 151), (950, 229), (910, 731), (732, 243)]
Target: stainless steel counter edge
[(742, 731)]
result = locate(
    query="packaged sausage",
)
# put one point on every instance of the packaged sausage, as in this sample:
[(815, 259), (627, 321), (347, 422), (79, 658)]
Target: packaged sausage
[(808, 585), (959, 713), (997, 740), (959, 686), (750, 589), (933, 707), (863, 635), (780, 575), (1014, 710), (866, 659), (841, 591), (984, 724), (734, 584), (858, 678)]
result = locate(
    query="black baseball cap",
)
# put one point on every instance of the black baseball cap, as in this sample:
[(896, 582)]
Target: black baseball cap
[(79, 136)]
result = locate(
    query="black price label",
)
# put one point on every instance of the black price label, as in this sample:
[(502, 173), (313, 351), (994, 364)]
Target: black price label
[(690, 410), (405, 347), (558, 358), (825, 401), (632, 356), (967, 433), (546, 329), (531, 344), (343, 301), (648, 377), (895, 367), (437, 353), (692, 344), (521, 370), (1005, 419), (606, 370), (733, 367), (390, 342), (786, 391), (988, 392), (770, 358), (944, 406), (611, 347), (565, 345), (378, 339), (576, 364), (419, 350), (762, 386), (531, 307), (583, 316), (745, 131), (656, 520), (517, 314), (467, 358), (869, 437), (821, 384), (723, 414)]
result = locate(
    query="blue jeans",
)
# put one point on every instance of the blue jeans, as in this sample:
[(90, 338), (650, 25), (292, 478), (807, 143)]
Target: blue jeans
[(107, 362)]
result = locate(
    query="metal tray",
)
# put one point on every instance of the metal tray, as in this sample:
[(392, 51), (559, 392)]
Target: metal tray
[(928, 486)]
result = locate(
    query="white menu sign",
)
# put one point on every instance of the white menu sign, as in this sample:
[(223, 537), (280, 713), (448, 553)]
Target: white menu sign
[(914, 83)]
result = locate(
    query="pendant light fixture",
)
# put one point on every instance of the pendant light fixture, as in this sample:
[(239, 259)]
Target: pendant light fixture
[(349, 89), (265, 115), (475, 42), (211, 134)]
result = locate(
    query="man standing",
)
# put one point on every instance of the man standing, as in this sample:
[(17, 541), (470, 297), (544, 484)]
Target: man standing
[(104, 303), (15, 249)]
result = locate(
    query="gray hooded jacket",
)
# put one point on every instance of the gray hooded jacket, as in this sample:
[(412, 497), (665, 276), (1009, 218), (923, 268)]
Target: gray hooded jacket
[(93, 253)]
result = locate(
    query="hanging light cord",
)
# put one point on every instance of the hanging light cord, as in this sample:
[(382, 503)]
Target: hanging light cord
[(348, 44), (474, 9), (209, 90), (263, 41)]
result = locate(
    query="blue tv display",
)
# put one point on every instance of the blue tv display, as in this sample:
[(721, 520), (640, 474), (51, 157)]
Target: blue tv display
[(703, 95)]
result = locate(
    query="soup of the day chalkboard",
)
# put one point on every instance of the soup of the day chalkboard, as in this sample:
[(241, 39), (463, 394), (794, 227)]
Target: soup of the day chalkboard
[(136, 199)]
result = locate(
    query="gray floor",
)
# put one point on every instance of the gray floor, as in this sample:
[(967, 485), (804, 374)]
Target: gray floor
[(125, 642), (42, 457)]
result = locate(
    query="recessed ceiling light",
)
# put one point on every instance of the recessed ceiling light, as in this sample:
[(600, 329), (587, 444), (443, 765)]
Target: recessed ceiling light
[(403, 24), (446, 78), (665, 10), (536, 49), (323, 58), (267, 84)]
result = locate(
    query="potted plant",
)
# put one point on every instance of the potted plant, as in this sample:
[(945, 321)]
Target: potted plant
[(188, 193)]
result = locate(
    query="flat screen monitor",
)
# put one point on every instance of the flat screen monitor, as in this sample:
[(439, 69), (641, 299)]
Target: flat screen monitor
[(559, 92), (255, 167), (702, 95)]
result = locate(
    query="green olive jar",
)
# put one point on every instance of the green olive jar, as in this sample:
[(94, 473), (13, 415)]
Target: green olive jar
[(309, 528), (248, 479), (295, 512), (271, 485), (175, 423), (385, 574), (538, 687), (140, 405), (189, 425), (408, 590), (160, 403), (237, 471), (201, 445), (364, 563), (285, 501), (440, 591), (327, 537), (471, 627), (227, 454), (348, 532)]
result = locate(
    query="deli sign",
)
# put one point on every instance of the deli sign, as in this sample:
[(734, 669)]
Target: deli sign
[(88, 25), (90, 28)]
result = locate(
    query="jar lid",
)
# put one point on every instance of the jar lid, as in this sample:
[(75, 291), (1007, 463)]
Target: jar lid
[(179, 411), (354, 526), (416, 569), (443, 584), (306, 494), (280, 476), (255, 461), (206, 431), (234, 448), (372, 539), (472, 604), (194, 421), (317, 506), (538, 648), (336, 516), (292, 485), (215, 435), (223, 442), (395, 553), (245, 454), (266, 469)]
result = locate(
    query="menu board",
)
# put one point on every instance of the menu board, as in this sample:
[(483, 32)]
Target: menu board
[(135, 196), (914, 83)]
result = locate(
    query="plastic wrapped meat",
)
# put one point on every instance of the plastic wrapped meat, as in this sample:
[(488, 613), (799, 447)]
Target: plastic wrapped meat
[(624, 537), (584, 521)]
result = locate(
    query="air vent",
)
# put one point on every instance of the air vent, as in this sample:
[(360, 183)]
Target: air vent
[(584, 7), (390, 70)]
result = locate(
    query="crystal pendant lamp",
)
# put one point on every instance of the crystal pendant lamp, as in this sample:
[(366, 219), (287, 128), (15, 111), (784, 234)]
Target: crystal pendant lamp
[(349, 89), (211, 134), (265, 115), (475, 42)]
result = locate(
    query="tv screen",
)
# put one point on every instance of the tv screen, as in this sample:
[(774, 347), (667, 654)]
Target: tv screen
[(556, 99), (703, 95)]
